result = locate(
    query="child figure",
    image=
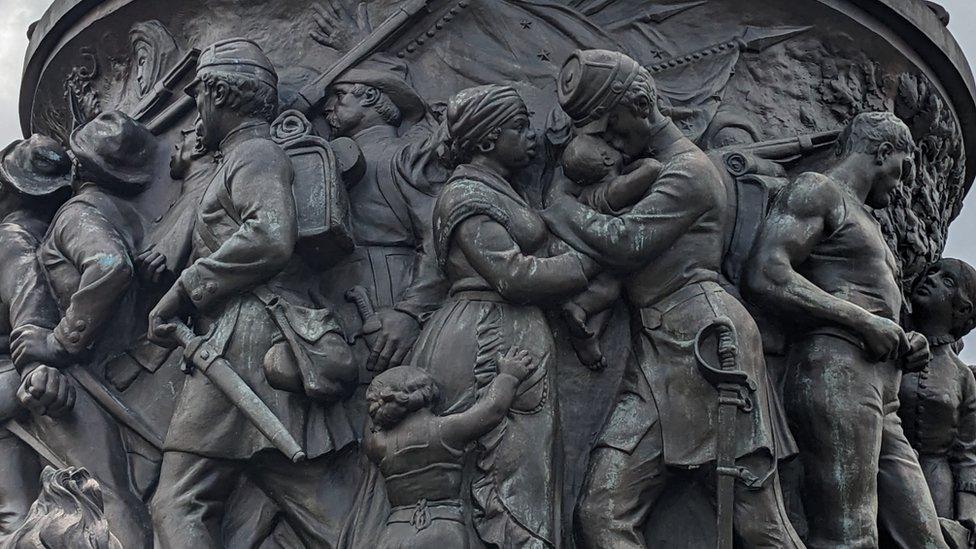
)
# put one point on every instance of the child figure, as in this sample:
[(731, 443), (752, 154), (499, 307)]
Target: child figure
[(938, 403), (420, 454), (610, 188)]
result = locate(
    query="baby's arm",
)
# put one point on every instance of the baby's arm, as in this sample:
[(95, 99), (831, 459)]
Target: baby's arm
[(629, 188), (461, 428)]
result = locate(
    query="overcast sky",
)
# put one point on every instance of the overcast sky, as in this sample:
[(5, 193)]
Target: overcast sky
[(17, 14)]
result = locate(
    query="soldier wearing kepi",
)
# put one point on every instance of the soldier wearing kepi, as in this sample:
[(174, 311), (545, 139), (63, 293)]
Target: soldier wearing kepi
[(821, 264), (245, 234), (669, 247), (34, 180)]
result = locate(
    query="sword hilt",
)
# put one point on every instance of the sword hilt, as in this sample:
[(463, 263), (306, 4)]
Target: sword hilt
[(359, 296)]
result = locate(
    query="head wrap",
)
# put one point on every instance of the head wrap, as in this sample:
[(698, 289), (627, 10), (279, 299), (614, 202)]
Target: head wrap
[(474, 113)]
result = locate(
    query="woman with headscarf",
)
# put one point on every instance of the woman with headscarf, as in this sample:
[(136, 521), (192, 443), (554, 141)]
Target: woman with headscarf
[(491, 244)]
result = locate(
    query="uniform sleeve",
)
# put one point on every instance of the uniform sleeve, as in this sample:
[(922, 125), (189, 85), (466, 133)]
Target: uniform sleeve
[(23, 284), (100, 254), (420, 175), (518, 277), (260, 187), (962, 454), (632, 239)]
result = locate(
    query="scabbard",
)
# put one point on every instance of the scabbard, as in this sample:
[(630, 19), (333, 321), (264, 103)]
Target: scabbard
[(725, 467), (220, 373), (240, 394)]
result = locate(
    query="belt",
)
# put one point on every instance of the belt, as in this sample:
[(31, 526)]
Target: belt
[(651, 316), (478, 295), (421, 514)]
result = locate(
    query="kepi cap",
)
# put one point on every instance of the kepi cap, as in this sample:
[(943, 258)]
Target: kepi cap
[(592, 82), (235, 57)]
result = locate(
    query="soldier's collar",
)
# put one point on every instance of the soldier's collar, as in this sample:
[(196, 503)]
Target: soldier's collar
[(663, 135), (244, 132)]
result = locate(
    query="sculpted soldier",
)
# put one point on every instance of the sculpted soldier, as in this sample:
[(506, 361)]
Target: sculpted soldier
[(34, 180), (245, 234), (666, 418), (390, 206), (87, 255), (821, 264), (170, 237), (938, 403)]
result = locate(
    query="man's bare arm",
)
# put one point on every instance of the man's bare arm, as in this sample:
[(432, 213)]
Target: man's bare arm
[(804, 214)]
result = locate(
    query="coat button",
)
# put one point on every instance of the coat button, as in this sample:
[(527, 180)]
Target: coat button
[(74, 337), (81, 325), (197, 295), (211, 288)]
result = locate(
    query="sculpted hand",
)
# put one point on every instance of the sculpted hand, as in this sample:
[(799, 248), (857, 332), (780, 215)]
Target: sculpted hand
[(916, 356), (517, 363), (151, 266), (884, 339), (336, 28), (46, 391), (647, 168), (31, 344), (393, 334), (170, 308)]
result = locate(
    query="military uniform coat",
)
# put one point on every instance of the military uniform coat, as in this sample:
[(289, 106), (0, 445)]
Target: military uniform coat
[(255, 176)]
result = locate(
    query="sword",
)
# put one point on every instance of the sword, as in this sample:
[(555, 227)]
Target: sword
[(359, 296), (734, 387), (221, 374)]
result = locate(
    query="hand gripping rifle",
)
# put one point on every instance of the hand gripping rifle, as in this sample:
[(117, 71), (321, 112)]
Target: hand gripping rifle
[(221, 374), (734, 387)]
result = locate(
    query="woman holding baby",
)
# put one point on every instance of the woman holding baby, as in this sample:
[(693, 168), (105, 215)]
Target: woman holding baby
[(491, 245)]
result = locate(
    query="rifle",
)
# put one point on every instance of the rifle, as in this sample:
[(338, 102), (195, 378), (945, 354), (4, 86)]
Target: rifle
[(312, 95), (240, 394)]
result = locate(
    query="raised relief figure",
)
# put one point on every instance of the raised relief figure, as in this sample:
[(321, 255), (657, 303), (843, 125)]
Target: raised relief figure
[(820, 263), (938, 403), (88, 256), (666, 419), (391, 204), (491, 245), (610, 188), (263, 336), (421, 454), (34, 180)]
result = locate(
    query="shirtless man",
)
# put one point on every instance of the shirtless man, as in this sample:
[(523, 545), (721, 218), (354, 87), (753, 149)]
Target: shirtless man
[(822, 261)]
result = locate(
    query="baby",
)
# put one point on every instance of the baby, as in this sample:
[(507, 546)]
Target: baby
[(610, 188), (420, 454)]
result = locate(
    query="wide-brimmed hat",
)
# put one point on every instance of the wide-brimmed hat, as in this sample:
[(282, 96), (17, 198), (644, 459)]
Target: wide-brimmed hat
[(37, 166), (114, 148), (389, 77)]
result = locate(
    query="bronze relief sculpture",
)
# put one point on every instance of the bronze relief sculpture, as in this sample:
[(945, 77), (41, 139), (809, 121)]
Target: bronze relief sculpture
[(487, 273)]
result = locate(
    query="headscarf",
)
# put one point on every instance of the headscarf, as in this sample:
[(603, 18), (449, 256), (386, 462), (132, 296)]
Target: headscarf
[(474, 113)]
